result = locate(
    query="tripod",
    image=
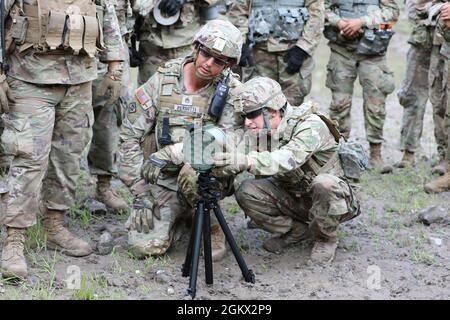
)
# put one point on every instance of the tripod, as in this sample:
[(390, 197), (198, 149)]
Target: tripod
[(209, 197)]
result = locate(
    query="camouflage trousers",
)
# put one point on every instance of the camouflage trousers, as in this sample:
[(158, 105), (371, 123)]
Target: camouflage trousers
[(46, 130), (4, 159), (377, 82), (447, 111), (154, 56), (271, 64), (173, 205), (437, 83), (413, 96), (328, 202), (103, 151)]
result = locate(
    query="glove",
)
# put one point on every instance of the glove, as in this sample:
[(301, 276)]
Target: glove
[(5, 95), (142, 215), (113, 82), (246, 56), (152, 168), (295, 57), (229, 164), (171, 7)]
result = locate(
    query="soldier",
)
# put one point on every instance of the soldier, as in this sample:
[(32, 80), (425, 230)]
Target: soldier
[(49, 122), (302, 191), (102, 155), (162, 38), (285, 35), (413, 94), (177, 95), (442, 184), (359, 33)]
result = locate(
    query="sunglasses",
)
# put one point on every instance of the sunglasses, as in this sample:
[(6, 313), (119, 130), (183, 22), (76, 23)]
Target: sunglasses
[(217, 61)]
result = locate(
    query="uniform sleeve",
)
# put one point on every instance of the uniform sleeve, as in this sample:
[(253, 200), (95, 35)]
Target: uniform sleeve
[(112, 37), (388, 14), (312, 32), (310, 136), (238, 15), (331, 17), (140, 120)]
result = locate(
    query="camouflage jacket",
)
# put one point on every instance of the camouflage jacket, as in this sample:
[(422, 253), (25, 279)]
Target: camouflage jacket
[(388, 13), (422, 32), (64, 67), (175, 36), (125, 16), (141, 119), (312, 31), (302, 135)]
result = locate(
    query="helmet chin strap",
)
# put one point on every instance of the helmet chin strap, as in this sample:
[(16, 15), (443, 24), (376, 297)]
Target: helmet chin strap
[(266, 117)]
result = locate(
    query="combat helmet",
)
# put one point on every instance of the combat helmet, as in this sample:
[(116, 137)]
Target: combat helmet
[(221, 37)]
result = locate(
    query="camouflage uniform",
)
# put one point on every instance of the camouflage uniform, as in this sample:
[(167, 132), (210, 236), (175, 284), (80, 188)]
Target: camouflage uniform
[(346, 64), (413, 94), (50, 122), (158, 44), (269, 55), (164, 102)]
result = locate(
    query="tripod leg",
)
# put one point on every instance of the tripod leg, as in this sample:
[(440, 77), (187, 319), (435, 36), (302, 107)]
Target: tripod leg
[(249, 276), (199, 215), (186, 267), (207, 248)]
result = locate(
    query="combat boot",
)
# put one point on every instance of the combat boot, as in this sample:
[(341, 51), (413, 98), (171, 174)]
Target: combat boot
[(298, 233), (13, 259), (218, 243), (323, 252), (440, 168), (376, 161), (440, 184), (61, 239), (407, 161), (106, 195)]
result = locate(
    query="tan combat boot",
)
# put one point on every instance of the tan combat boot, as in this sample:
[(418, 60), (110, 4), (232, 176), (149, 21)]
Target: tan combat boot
[(298, 233), (13, 260), (218, 243), (376, 161), (440, 168), (440, 184), (61, 239), (106, 195), (323, 252), (408, 160)]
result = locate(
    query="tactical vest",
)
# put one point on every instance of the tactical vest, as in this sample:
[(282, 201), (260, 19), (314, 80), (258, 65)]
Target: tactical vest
[(278, 19), (48, 25), (353, 8), (176, 111), (303, 176)]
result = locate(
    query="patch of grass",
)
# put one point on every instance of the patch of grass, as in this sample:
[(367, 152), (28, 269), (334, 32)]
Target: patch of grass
[(36, 238), (423, 256), (80, 216), (233, 210), (86, 291), (242, 239), (157, 262)]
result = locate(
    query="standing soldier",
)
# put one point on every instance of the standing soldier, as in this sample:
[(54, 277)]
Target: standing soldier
[(108, 111), (285, 35), (177, 95), (442, 184), (303, 191), (52, 65), (165, 30), (413, 94), (359, 32)]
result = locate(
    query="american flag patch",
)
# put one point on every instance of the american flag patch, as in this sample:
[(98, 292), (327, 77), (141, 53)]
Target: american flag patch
[(142, 96)]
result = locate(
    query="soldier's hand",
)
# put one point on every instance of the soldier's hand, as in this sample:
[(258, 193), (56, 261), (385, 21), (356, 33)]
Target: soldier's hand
[(445, 11), (171, 7), (246, 56), (352, 28), (141, 217), (295, 58), (229, 164), (112, 82), (6, 95)]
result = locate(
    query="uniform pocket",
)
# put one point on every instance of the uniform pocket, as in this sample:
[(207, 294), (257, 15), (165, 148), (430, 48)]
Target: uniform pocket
[(17, 139), (386, 81)]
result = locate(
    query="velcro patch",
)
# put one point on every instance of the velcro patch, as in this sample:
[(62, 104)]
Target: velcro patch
[(132, 107), (142, 96), (185, 108)]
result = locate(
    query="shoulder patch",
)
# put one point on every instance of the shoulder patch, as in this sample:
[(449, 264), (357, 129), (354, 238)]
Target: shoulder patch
[(142, 96), (132, 107)]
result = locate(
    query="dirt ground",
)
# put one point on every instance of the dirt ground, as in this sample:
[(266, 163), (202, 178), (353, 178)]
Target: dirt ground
[(383, 254)]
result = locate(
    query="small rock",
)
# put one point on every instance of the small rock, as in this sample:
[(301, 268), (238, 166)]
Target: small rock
[(161, 276), (94, 206), (105, 243), (387, 169), (436, 241), (433, 214), (170, 291)]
